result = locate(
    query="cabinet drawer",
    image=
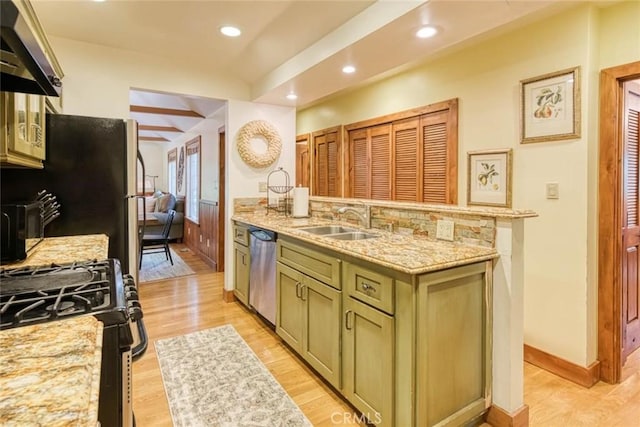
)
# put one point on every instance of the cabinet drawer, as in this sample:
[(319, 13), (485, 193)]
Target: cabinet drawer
[(369, 286), (318, 265), (241, 234)]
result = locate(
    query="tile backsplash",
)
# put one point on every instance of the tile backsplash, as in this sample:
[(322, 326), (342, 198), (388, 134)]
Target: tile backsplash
[(470, 228)]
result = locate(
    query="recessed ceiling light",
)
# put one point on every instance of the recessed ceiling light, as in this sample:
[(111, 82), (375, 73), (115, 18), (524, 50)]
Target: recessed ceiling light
[(348, 69), (292, 96), (230, 31), (426, 32)]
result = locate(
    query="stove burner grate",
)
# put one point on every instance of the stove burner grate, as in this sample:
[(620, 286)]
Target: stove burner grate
[(37, 294)]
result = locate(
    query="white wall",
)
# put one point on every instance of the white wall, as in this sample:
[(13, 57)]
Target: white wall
[(152, 154), (242, 180), (97, 79), (560, 245)]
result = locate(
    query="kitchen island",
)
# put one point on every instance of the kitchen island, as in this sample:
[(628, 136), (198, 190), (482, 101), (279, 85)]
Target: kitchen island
[(399, 324), (50, 373), (407, 253), (66, 249)]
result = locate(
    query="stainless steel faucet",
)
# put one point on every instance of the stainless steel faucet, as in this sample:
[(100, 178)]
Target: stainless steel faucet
[(364, 217)]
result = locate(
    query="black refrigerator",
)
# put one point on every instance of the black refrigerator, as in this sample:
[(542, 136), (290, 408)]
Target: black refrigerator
[(91, 167)]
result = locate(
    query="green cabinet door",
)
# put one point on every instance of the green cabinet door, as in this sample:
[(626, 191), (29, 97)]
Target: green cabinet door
[(322, 329), (241, 273), (290, 306), (368, 348)]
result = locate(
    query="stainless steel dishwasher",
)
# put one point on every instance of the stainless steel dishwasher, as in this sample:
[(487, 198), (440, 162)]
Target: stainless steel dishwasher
[(262, 273)]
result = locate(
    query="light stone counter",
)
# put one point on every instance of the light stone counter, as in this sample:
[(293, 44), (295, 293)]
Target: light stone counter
[(66, 249), (50, 373), (406, 253)]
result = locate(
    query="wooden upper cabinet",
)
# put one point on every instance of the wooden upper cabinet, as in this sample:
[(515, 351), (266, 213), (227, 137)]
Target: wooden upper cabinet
[(303, 168), (406, 159), (327, 162), (370, 154), (439, 156), (409, 156)]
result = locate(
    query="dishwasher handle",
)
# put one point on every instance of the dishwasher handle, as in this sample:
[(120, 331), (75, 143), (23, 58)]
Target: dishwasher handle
[(264, 235)]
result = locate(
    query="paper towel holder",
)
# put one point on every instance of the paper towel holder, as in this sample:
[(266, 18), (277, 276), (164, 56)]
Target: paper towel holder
[(296, 200)]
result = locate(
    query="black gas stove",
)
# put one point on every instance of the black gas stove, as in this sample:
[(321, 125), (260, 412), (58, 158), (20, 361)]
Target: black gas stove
[(48, 293)]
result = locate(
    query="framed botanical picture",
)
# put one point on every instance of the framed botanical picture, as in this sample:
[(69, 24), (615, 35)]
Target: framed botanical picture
[(550, 107), (489, 178)]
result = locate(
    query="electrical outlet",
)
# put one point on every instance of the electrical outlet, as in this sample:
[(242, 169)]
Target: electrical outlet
[(262, 187), (444, 230)]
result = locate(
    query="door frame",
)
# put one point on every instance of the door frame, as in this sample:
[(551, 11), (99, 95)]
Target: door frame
[(610, 219), (222, 194)]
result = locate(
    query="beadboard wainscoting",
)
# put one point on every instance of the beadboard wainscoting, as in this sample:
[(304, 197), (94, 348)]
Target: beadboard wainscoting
[(202, 237)]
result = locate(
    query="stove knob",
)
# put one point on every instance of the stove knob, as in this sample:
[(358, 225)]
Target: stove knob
[(135, 310), (132, 294)]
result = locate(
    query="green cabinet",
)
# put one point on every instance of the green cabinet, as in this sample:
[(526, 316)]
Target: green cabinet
[(403, 349), (453, 353), (368, 361), (241, 273), (308, 319)]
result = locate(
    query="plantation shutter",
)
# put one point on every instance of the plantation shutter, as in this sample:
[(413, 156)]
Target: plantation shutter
[(405, 135), (327, 162), (332, 164), (633, 164), (359, 164), (434, 157), (410, 156), (321, 177), (381, 162), (302, 160)]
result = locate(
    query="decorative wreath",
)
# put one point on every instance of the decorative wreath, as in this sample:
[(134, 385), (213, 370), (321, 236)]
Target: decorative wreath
[(262, 129)]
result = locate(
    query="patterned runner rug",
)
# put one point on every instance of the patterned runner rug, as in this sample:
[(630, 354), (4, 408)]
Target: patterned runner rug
[(156, 266), (213, 378)]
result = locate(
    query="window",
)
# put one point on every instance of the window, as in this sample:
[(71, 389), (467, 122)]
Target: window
[(192, 197), (172, 168)]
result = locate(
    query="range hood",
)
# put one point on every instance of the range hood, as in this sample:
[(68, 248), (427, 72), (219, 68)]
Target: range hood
[(24, 64)]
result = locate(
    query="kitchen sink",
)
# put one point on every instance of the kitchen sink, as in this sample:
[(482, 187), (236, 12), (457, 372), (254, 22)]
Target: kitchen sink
[(354, 235), (328, 229)]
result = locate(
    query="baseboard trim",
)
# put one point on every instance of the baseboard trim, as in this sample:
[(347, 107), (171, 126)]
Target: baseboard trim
[(498, 417), (580, 375), (228, 296)]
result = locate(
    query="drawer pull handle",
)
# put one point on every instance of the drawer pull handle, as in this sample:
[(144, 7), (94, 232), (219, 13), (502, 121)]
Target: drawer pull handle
[(298, 293), (244, 262), (302, 288), (368, 288), (346, 320)]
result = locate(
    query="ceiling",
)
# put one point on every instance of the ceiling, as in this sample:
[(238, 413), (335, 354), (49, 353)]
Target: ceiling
[(286, 46)]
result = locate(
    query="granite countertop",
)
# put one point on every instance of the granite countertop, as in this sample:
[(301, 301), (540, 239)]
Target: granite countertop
[(407, 253), (66, 249), (50, 373)]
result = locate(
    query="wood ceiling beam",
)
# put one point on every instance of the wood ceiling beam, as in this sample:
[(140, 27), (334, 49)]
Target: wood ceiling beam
[(152, 138), (159, 128), (165, 111)]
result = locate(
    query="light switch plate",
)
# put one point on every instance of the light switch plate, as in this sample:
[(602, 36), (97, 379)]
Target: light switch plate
[(262, 187), (553, 190), (444, 230)]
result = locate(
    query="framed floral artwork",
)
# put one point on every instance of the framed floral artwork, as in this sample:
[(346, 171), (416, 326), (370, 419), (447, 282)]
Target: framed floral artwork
[(489, 178), (550, 107)]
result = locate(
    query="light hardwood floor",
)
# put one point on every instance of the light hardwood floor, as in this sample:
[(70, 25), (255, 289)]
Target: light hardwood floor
[(187, 304)]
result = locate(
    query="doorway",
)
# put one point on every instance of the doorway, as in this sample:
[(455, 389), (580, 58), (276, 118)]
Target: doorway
[(616, 299)]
